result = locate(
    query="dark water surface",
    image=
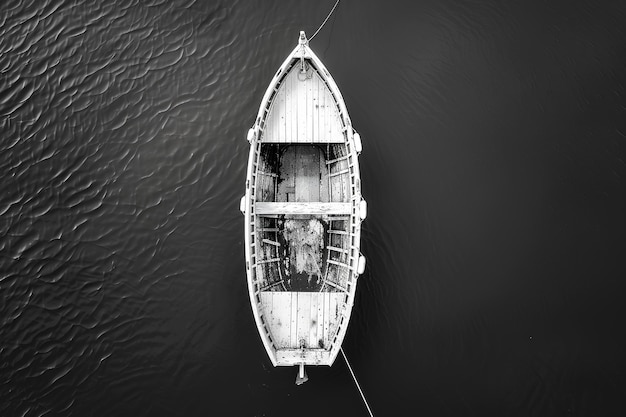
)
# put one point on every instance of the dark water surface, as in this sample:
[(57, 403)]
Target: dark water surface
[(494, 166)]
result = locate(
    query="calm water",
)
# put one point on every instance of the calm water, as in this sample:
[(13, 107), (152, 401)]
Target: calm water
[(494, 167)]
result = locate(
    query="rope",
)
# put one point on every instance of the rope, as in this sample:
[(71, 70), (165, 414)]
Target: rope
[(325, 20), (354, 377)]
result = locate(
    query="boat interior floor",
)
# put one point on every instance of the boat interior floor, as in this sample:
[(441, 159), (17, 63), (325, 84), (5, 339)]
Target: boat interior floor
[(303, 173)]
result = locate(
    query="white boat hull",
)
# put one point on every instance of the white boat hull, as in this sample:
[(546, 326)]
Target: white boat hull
[(303, 210)]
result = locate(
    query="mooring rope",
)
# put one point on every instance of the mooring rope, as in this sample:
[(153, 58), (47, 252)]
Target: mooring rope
[(325, 20), (369, 410)]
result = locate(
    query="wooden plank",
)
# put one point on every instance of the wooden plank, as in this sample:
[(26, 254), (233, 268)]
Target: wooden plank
[(283, 113), (315, 132), (313, 320), (265, 261), (293, 331), (266, 304), (326, 318), (301, 179), (301, 112), (320, 317), (323, 169), (270, 317), (323, 126), (293, 76), (268, 288), (266, 310), (316, 175), (270, 117), (281, 311), (344, 171), (336, 249), (286, 172), (322, 100), (324, 108), (308, 175), (345, 185), (335, 314), (260, 274), (330, 107), (309, 111), (304, 317), (276, 113), (314, 208), (272, 120), (289, 123), (267, 130), (337, 286), (341, 158), (260, 188), (290, 178), (331, 261), (335, 191)]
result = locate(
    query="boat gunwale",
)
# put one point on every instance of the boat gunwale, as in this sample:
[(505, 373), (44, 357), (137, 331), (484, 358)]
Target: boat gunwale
[(303, 50)]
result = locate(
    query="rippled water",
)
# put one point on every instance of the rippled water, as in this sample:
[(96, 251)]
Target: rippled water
[(493, 165)]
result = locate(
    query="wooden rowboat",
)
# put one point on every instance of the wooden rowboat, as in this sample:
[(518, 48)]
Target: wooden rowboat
[(303, 211)]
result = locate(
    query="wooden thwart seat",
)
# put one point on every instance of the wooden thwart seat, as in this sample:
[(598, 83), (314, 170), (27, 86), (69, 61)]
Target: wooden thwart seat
[(273, 208)]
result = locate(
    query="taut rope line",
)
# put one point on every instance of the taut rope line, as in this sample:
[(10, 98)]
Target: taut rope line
[(356, 382), (325, 20)]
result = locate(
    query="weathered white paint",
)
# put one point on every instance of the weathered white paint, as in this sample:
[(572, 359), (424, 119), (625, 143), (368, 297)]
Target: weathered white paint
[(313, 208)]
